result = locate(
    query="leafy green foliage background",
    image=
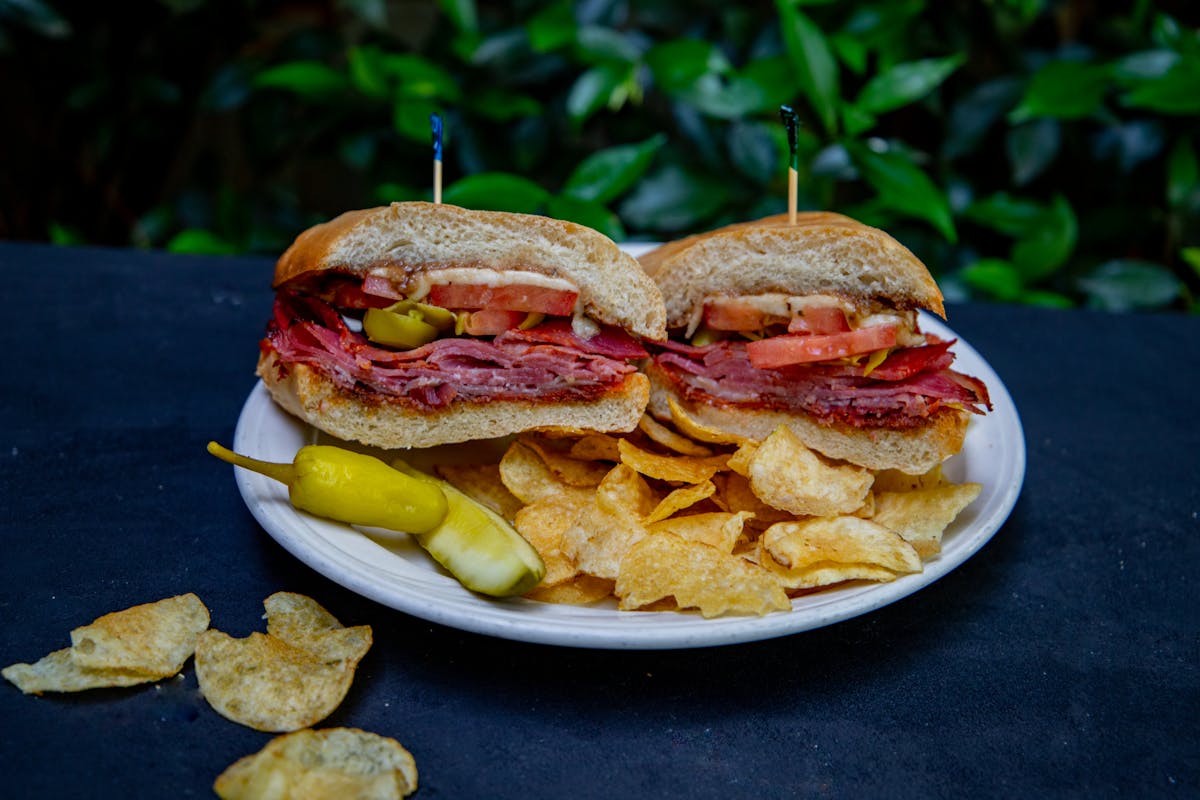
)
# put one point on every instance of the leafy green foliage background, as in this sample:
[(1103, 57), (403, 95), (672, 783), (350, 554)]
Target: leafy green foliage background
[(1028, 150)]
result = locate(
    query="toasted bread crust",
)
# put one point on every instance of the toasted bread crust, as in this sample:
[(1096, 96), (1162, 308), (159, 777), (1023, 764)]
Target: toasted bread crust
[(309, 395), (822, 253), (398, 241), (913, 450)]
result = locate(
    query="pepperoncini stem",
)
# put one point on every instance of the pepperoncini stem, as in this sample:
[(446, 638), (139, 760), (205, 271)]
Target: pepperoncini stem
[(284, 473)]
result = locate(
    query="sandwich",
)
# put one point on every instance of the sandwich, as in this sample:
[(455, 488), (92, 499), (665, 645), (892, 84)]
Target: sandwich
[(415, 324), (813, 325)]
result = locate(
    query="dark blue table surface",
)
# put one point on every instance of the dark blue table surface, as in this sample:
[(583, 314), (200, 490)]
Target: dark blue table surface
[(1062, 660)]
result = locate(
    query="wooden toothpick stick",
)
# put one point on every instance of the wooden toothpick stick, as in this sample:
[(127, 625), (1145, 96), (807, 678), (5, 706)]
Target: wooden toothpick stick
[(435, 124), (791, 121)]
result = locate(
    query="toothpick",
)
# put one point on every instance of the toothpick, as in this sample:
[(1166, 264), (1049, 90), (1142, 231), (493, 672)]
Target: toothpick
[(435, 124), (791, 121)]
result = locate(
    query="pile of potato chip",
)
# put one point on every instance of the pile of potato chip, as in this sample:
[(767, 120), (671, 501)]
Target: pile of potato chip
[(691, 517)]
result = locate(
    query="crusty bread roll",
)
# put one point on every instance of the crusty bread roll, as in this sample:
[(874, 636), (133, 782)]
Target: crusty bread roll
[(312, 397), (911, 450), (401, 242), (402, 239), (823, 253)]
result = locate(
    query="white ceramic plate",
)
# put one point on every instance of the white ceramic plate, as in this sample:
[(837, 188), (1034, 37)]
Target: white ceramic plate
[(401, 576)]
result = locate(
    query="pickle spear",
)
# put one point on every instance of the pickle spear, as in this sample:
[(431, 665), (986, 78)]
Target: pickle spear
[(477, 546)]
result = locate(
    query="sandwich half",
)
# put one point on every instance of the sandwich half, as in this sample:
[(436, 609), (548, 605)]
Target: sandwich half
[(813, 325), (415, 324)]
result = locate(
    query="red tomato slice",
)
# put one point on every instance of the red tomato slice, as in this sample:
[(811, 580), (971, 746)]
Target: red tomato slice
[(820, 320), (780, 351), (492, 322), (732, 315), (554, 302)]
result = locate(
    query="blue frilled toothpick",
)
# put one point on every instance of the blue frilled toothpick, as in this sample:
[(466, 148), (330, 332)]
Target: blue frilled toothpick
[(435, 124)]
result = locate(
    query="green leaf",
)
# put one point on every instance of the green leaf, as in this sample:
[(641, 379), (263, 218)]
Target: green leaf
[(410, 118), (1176, 92), (1032, 147), (496, 191), (902, 186), (64, 235), (758, 150), (1183, 173), (551, 28), (995, 277), (1063, 90), (502, 105), (588, 213), (724, 97), (462, 13), (596, 88), (606, 174), (1006, 213), (415, 76), (1146, 65), (597, 44), (1131, 285), (976, 112), (365, 65), (200, 242), (906, 83), (673, 199), (679, 63), (774, 82), (812, 57), (1191, 257), (1049, 242), (308, 78)]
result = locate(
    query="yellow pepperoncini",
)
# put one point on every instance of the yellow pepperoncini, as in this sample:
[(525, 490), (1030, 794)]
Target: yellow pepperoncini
[(351, 487), (877, 358), (407, 324)]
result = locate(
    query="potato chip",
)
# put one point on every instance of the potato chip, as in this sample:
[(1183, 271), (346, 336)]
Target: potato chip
[(481, 483), (581, 590), (734, 494), (697, 576), (59, 672), (670, 439), (681, 498), (893, 480), (690, 426), (922, 515), (302, 622), (596, 447), (140, 644), (543, 524), (268, 684), (739, 462), (717, 529), (824, 550), (330, 764), (680, 469), (152, 638), (787, 475), (526, 475), (611, 523), (566, 469)]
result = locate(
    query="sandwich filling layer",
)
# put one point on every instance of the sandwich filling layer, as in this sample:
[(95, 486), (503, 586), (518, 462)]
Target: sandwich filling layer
[(866, 368), (545, 362)]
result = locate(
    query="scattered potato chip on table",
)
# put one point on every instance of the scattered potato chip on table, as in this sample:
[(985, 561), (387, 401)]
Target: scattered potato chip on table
[(141, 644), (291, 677), (329, 764)]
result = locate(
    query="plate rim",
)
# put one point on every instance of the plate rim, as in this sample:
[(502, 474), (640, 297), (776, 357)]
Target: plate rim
[(313, 541)]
